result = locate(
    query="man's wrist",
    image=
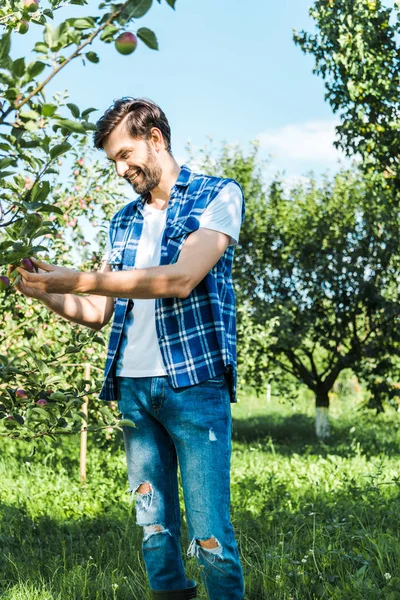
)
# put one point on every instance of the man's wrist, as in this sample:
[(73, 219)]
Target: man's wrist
[(87, 283)]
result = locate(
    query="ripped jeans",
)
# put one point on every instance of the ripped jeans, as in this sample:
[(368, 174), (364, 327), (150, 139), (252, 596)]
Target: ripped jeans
[(191, 425)]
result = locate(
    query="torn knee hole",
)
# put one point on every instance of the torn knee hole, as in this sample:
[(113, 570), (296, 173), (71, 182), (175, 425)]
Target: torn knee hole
[(144, 488), (210, 546), (150, 530), (144, 496), (211, 543), (153, 528)]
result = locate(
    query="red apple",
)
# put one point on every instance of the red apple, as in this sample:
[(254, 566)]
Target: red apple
[(27, 264), (41, 402), (4, 283), (31, 5), (20, 393), (126, 43)]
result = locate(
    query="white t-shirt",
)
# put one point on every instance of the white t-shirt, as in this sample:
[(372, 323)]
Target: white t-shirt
[(139, 354)]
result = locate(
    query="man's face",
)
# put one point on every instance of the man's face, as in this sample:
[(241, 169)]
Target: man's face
[(135, 159)]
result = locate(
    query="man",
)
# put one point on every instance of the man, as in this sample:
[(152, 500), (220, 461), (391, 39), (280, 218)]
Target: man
[(171, 361)]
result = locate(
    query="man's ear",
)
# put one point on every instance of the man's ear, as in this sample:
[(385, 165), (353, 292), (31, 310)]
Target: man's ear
[(157, 139)]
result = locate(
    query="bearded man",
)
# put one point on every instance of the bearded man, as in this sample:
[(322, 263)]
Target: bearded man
[(171, 361)]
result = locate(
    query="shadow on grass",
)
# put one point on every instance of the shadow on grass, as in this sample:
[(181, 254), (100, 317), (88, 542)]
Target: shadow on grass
[(296, 433), (97, 558)]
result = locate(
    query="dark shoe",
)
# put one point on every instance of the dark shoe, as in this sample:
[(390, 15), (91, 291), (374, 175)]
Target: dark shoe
[(183, 594)]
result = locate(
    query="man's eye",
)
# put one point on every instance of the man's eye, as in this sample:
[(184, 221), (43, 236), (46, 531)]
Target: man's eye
[(125, 155)]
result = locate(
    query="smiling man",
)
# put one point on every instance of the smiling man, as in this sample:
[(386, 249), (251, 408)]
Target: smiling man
[(171, 362)]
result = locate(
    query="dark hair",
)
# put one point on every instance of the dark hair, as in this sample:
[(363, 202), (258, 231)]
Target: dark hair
[(141, 115)]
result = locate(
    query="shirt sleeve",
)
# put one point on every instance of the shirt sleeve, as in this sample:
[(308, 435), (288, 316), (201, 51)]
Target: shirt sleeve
[(224, 213)]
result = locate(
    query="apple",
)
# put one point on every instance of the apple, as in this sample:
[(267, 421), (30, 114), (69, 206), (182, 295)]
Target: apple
[(23, 27), (4, 283), (20, 393), (31, 5), (41, 402), (126, 43), (27, 264)]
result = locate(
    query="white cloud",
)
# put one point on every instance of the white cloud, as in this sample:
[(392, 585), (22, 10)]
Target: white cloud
[(309, 141)]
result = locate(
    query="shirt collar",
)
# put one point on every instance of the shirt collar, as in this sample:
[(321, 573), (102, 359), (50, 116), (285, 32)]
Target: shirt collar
[(185, 177)]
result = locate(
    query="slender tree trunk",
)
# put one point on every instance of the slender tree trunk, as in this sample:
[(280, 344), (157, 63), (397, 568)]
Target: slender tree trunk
[(322, 425)]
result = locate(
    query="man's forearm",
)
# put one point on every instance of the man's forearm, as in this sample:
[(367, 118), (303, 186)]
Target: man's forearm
[(74, 308), (167, 281)]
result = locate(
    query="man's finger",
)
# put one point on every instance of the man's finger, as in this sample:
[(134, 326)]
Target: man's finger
[(42, 265), (27, 276)]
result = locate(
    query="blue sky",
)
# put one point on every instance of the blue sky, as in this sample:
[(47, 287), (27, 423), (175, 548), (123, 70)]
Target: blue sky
[(225, 69)]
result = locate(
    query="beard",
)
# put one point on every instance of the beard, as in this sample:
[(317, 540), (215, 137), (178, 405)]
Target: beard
[(149, 175)]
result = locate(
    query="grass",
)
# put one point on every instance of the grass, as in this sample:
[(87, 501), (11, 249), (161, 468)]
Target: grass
[(313, 520)]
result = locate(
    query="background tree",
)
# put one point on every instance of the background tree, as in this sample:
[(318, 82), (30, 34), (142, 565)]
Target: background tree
[(37, 210), (357, 53), (316, 282)]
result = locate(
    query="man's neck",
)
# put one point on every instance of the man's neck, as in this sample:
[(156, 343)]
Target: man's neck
[(160, 195)]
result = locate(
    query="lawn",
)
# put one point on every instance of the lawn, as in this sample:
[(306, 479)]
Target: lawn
[(313, 520)]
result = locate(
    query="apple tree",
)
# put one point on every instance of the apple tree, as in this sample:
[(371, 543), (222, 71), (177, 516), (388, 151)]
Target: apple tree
[(45, 214)]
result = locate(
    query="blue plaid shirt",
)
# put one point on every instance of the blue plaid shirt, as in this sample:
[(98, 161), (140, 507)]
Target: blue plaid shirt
[(197, 334)]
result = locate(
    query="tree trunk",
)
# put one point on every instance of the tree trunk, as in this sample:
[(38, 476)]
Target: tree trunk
[(322, 425)]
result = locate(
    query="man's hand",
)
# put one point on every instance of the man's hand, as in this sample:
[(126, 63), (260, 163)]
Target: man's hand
[(49, 279)]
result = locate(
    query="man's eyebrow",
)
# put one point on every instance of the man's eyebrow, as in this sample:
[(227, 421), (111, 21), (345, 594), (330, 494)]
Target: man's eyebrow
[(124, 149)]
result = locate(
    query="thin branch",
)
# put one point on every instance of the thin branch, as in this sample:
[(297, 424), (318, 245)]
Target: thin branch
[(67, 60)]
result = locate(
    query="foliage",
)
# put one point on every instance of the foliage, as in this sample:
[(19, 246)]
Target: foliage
[(356, 51), (41, 212), (316, 279)]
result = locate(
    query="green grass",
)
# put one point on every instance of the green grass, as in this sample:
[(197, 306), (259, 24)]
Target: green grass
[(313, 520)]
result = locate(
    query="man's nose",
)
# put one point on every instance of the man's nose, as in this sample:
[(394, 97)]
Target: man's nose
[(121, 168)]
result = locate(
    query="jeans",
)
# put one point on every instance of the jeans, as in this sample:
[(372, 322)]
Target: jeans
[(191, 425)]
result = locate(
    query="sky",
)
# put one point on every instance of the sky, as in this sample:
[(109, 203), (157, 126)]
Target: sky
[(226, 70)]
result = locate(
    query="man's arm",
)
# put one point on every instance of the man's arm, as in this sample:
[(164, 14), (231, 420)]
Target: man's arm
[(91, 311), (200, 252)]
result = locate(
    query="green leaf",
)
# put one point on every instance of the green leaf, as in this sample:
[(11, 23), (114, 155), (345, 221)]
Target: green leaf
[(107, 35), (40, 191), (48, 13), (30, 115), (136, 9), (57, 396), (87, 112), (72, 126), (171, 3), (48, 110), (41, 47), (59, 149), (74, 109), (18, 67), (71, 349), (5, 45), (41, 412), (92, 57), (6, 162), (126, 423), (98, 340), (49, 208), (86, 23), (148, 37), (89, 126), (35, 68)]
